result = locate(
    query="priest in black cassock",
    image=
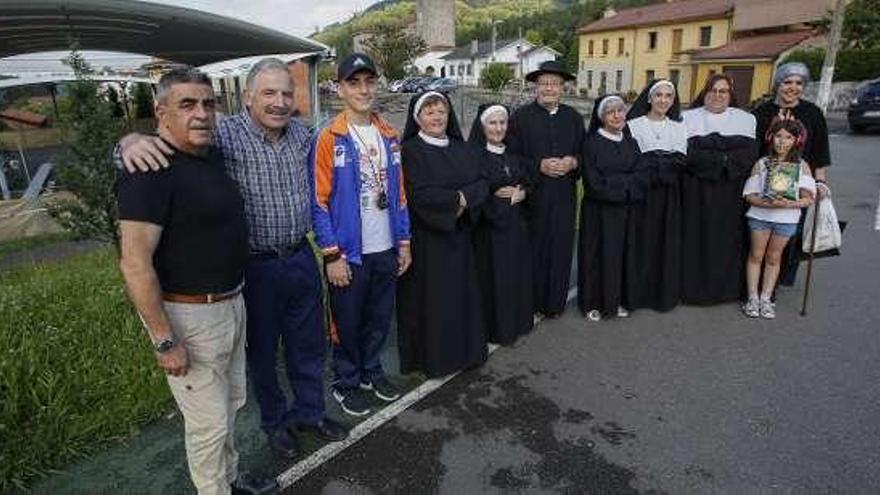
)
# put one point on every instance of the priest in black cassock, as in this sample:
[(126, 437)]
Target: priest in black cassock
[(720, 154), (550, 135), (614, 179), (788, 103), (439, 313), (503, 247), (656, 124)]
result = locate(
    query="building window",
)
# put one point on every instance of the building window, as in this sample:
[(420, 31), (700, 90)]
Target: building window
[(603, 83), (677, 35), (589, 79), (620, 46), (674, 76), (590, 48), (469, 70), (618, 83), (649, 75), (451, 70), (604, 47), (705, 35), (652, 40)]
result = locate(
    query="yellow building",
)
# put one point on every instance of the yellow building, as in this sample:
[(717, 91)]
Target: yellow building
[(624, 50), (686, 41)]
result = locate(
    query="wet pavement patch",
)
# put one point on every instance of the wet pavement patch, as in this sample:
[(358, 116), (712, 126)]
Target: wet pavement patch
[(407, 454)]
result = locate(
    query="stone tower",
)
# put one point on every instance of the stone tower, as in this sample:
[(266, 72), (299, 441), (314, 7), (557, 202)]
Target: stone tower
[(435, 23)]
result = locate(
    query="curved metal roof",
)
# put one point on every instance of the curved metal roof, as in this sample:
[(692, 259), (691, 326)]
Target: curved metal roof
[(172, 33)]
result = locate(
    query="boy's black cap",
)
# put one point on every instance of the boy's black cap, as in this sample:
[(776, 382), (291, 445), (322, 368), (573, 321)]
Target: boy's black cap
[(356, 62)]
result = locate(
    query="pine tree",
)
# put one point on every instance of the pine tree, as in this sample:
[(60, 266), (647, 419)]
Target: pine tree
[(90, 131)]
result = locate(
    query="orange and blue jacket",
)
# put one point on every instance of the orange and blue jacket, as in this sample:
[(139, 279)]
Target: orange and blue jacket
[(335, 166)]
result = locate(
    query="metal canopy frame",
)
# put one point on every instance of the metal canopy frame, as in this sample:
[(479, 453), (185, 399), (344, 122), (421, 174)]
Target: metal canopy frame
[(172, 33)]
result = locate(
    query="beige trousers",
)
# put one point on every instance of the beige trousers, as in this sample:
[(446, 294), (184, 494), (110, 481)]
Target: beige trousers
[(213, 389)]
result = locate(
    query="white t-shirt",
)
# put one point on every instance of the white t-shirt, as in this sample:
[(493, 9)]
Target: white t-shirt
[(659, 135), (375, 222), (755, 185)]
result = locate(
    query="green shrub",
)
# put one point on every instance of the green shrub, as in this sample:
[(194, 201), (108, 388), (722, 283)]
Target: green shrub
[(495, 76), (76, 370), (852, 65)]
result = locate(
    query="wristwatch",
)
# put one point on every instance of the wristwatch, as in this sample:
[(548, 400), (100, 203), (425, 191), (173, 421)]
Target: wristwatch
[(164, 346)]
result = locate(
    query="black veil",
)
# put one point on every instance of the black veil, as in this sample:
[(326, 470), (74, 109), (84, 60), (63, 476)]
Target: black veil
[(477, 137), (453, 131), (642, 105)]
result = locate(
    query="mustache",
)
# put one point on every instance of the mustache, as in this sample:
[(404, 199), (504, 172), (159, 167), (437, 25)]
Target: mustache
[(285, 110)]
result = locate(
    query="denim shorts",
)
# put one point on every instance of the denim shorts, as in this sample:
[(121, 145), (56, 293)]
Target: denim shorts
[(780, 229)]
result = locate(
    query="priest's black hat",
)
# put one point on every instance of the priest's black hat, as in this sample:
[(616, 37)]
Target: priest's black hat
[(550, 67)]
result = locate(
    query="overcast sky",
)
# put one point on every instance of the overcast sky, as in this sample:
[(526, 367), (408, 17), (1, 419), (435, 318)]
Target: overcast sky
[(298, 17)]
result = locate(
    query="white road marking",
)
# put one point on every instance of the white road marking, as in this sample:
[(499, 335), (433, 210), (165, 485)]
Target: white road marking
[(389, 412), (877, 215)]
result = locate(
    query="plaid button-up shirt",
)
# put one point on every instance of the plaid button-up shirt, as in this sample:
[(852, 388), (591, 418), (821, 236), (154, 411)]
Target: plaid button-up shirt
[(272, 176)]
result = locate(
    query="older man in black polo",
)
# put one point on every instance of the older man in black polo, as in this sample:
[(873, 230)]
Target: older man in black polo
[(183, 251)]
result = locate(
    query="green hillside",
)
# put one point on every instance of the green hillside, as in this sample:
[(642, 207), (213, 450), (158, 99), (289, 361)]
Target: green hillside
[(549, 22)]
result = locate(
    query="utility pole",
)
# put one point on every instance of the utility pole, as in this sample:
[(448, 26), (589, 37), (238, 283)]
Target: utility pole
[(831, 55)]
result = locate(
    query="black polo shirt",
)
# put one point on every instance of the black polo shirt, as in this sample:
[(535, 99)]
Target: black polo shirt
[(204, 246)]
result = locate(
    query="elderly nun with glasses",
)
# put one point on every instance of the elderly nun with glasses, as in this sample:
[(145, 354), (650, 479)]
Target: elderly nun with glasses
[(614, 178)]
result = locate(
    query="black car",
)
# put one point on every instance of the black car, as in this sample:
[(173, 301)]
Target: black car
[(864, 110)]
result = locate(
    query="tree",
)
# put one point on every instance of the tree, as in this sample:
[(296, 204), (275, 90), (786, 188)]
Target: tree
[(90, 131), (495, 76), (861, 26), (143, 101), (394, 50)]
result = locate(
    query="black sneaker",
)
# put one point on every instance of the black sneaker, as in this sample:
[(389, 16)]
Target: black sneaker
[(383, 389), (246, 484), (351, 400)]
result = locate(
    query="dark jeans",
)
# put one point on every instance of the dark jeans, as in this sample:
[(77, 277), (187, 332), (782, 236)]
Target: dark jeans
[(283, 297), (362, 313)]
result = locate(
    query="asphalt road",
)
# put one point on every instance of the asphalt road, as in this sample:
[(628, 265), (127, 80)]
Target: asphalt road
[(697, 400)]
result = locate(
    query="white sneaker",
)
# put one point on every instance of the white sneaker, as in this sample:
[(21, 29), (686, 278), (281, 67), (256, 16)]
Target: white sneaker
[(768, 309), (622, 312), (594, 315), (752, 308)]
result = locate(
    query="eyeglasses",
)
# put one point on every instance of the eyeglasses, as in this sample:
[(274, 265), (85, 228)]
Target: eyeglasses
[(719, 91), (549, 84)]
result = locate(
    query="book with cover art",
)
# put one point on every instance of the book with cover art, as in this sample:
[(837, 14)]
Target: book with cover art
[(782, 180)]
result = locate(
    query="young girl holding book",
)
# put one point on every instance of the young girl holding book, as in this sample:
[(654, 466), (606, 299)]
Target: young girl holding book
[(779, 187)]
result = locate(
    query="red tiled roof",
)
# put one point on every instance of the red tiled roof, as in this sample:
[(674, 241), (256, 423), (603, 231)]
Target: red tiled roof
[(23, 117), (764, 46), (662, 13)]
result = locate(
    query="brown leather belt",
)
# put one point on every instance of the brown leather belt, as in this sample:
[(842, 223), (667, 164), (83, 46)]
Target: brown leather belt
[(199, 298)]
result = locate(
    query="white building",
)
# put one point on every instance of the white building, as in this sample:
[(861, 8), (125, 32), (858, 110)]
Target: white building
[(432, 63), (465, 64)]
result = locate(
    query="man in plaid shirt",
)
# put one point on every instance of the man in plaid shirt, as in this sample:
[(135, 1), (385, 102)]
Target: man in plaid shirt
[(265, 152)]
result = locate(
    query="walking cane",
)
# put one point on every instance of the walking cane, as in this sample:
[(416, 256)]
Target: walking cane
[(810, 258)]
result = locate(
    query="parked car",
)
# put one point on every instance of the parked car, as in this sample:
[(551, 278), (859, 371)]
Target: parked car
[(395, 86), (442, 85), (864, 110), (418, 84)]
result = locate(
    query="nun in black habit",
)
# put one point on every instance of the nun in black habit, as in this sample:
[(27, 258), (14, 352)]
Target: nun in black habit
[(721, 153), (549, 135), (439, 314), (503, 250), (656, 124), (614, 179)]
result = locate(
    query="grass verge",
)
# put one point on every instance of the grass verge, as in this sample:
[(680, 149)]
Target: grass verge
[(76, 371)]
